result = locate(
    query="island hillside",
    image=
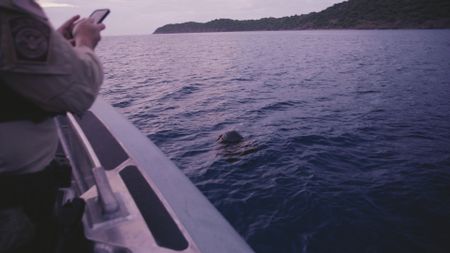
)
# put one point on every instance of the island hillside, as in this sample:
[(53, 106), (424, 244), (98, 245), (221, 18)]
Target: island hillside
[(352, 14)]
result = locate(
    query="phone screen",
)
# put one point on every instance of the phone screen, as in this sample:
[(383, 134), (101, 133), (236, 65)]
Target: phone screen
[(99, 15)]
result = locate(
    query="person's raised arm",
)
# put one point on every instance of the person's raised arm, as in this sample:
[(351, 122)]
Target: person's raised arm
[(41, 64)]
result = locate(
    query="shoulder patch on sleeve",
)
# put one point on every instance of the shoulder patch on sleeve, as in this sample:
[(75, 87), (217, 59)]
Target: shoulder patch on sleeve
[(31, 39)]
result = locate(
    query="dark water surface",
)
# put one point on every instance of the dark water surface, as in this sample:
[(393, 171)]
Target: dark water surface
[(347, 133)]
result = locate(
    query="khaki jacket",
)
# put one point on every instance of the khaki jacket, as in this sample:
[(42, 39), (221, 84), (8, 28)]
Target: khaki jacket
[(37, 63)]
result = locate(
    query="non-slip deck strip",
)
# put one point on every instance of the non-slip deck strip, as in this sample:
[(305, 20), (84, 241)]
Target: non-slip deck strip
[(162, 226), (108, 150)]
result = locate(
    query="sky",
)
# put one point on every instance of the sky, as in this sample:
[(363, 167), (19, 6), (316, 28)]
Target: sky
[(144, 16)]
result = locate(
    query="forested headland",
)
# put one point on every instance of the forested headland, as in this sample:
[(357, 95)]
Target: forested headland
[(352, 14)]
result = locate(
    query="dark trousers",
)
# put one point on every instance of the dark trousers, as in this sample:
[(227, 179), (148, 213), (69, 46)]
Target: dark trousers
[(35, 195)]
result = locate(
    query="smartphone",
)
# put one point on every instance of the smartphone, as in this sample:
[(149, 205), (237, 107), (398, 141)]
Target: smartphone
[(99, 15)]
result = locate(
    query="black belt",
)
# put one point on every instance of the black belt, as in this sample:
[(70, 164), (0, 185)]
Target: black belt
[(33, 189)]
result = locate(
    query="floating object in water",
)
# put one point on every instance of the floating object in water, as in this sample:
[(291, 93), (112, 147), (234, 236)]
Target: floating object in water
[(230, 137)]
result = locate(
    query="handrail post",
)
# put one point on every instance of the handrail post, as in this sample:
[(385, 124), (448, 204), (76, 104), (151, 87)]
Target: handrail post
[(106, 198)]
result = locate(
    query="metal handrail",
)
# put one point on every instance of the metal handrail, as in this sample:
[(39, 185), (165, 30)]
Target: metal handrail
[(106, 197)]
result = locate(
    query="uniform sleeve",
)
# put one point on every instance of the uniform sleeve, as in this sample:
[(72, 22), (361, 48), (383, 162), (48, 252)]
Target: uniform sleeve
[(39, 64)]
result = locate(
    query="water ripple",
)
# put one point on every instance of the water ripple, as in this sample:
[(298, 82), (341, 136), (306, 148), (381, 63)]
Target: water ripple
[(346, 133)]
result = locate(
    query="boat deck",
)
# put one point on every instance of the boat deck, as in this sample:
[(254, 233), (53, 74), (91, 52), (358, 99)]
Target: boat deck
[(137, 199)]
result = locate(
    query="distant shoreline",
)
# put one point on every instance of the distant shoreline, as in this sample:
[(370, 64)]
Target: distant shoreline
[(304, 30), (349, 15), (149, 34)]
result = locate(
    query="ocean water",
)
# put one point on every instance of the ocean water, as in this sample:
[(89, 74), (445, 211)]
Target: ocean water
[(347, 133)]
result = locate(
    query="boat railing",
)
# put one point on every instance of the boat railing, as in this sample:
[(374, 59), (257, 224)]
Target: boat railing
[(107, 200), (137, 200)]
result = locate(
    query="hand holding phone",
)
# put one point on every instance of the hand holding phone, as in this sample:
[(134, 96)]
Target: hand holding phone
[(87, 31), (66, 29), (99, 15)]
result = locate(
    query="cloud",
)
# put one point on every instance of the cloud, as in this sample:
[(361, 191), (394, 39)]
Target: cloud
[(50, 4)]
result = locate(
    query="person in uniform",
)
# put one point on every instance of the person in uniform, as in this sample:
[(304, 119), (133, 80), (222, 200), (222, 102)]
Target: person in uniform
[(43, 72)]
